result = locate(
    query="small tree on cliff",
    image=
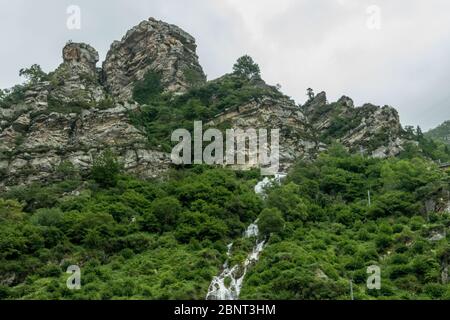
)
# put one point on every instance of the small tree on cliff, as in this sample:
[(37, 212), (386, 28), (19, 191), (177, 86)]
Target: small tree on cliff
[(106, 169), (33, 74), (246, 67), (310, 93), (419, 132)]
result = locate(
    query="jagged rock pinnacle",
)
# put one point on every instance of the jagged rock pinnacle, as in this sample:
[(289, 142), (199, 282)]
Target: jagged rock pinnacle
[(156, 46), (80, 53)]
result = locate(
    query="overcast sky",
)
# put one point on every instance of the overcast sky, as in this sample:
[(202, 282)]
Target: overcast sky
[(393, 52)]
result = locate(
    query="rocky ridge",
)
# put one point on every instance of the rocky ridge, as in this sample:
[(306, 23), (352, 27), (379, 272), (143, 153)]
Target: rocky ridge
[(157, 46), (80, 110)]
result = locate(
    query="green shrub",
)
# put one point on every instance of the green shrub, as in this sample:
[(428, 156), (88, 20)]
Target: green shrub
[(48, 217), (105, 169), (148, 88), (270, 221)]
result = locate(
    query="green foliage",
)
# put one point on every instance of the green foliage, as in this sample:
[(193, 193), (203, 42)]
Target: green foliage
[(66, 170), (148, 88), (10, 210), (193, 77), (73, 106), (441, 133), (106, 103), (137, 239), (434, 144), (165, 212), (106, 169), (163, 113), (316, 254), (33, 74), (48, 217), (246, 67), (16, 94), (9, 97), (270, 221)]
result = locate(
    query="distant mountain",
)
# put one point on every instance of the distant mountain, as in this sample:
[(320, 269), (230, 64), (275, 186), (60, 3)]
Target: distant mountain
[(441, 132)]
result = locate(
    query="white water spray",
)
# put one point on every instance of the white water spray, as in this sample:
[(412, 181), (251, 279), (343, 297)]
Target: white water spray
[(219, 289)]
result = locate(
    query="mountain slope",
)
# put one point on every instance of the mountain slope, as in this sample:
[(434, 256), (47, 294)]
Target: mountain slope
[(440, 133), (150, 84), (86, 180)]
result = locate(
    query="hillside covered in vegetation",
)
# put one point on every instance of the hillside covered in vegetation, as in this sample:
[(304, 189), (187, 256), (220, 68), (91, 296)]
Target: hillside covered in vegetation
[(136, 239), (440, 133), (86, 180)]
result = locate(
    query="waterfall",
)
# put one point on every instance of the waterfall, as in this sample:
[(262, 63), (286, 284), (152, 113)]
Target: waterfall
[(267, 182), (219, 289)]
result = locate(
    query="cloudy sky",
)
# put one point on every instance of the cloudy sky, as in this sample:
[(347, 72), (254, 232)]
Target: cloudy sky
[(380, 51)]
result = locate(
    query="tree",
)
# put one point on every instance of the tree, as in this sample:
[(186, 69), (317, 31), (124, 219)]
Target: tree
[(419, 132), (246, 67), (167, 211), (287, 199), (270, 221), (310, 93), (33, 74), (105, 169)]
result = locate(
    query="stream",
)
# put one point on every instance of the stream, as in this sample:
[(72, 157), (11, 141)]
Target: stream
[(219, 289)]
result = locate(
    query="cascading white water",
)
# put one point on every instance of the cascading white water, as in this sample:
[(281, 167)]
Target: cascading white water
[(218, 289), (267, 182), (252, 230)]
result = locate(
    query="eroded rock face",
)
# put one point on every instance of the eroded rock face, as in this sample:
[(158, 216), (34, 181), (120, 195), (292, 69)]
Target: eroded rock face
[(56, 138), (153, 45), (81, 110), (77, 78), (273, 110), (82, 53), (308, 129), (374, 130), (63, 121)]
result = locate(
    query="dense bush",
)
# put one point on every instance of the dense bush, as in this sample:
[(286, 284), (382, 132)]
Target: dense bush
[(270, 221), (148, 88), (105, 169)]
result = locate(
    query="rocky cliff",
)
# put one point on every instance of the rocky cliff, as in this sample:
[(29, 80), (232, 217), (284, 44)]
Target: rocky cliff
[(157, 46), (78, 110), (306, 130), (373, 130)]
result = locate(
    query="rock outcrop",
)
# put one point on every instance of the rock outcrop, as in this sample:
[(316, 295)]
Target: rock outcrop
[(153, 46), (35, 146), (308, 129), (69, 119), (77, 79), (374, 130), (273, 110), (79, 110)]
